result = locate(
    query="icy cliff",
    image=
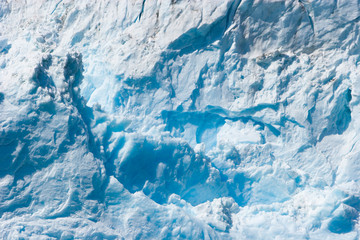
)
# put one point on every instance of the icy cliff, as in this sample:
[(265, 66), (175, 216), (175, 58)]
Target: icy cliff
[(185, 119)]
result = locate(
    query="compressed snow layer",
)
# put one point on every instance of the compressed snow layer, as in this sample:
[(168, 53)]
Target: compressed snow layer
[(147, 119)]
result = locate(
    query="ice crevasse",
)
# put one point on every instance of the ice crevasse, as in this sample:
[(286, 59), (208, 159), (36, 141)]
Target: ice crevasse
[(179, 119)]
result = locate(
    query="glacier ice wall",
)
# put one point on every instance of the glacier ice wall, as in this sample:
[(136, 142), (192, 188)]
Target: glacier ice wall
[(146, 119)]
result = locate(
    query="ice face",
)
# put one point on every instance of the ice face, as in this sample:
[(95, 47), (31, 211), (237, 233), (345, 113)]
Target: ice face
[(179, 119)]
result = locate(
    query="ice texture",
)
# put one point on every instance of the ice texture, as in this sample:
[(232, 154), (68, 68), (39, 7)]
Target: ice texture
[(179, 119)]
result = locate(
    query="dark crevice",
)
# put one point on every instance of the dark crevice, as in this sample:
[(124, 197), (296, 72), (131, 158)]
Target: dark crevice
[(57, 4), (73, 74), (42, 79), (198, 86), (4, 46), (112, 155), (340, 116), (142, 9), (214, 117), (308, 15), (311, 111), (2, 97)]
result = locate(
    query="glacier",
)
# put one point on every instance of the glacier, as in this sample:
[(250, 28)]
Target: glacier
[(179, 119)]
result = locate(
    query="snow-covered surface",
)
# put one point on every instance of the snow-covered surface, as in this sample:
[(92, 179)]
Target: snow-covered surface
[(185, 119)]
